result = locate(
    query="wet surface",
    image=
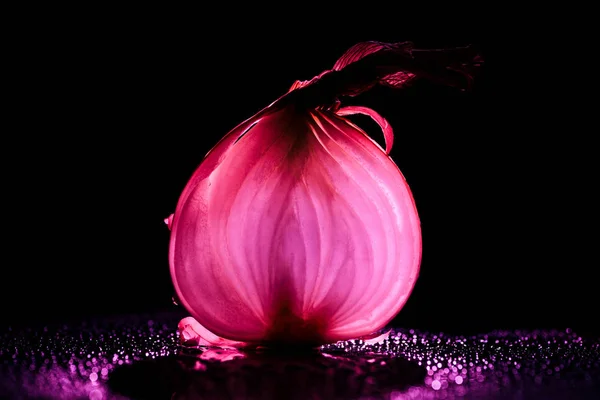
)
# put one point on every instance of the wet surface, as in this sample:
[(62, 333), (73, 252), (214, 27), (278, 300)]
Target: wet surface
[(139, 357)]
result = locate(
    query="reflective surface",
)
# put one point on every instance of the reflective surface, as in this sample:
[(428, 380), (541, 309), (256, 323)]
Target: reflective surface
[(138, 357)]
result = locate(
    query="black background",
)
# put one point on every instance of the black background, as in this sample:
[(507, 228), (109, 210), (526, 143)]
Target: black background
[(113, 111)]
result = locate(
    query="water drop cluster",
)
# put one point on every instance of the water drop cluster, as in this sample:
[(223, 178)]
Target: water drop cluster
[(74, 361), (502, 364)]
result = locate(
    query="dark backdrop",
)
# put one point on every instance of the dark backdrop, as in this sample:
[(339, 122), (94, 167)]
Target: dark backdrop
[(113, 115)]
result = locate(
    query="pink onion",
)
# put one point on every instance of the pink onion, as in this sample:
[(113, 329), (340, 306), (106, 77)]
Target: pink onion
[(298, 227)]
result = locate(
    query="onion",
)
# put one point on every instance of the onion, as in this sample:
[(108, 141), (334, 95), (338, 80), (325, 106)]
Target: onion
[(297, 227)]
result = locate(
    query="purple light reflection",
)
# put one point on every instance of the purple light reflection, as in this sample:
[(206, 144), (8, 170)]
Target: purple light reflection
[(133, 358)]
